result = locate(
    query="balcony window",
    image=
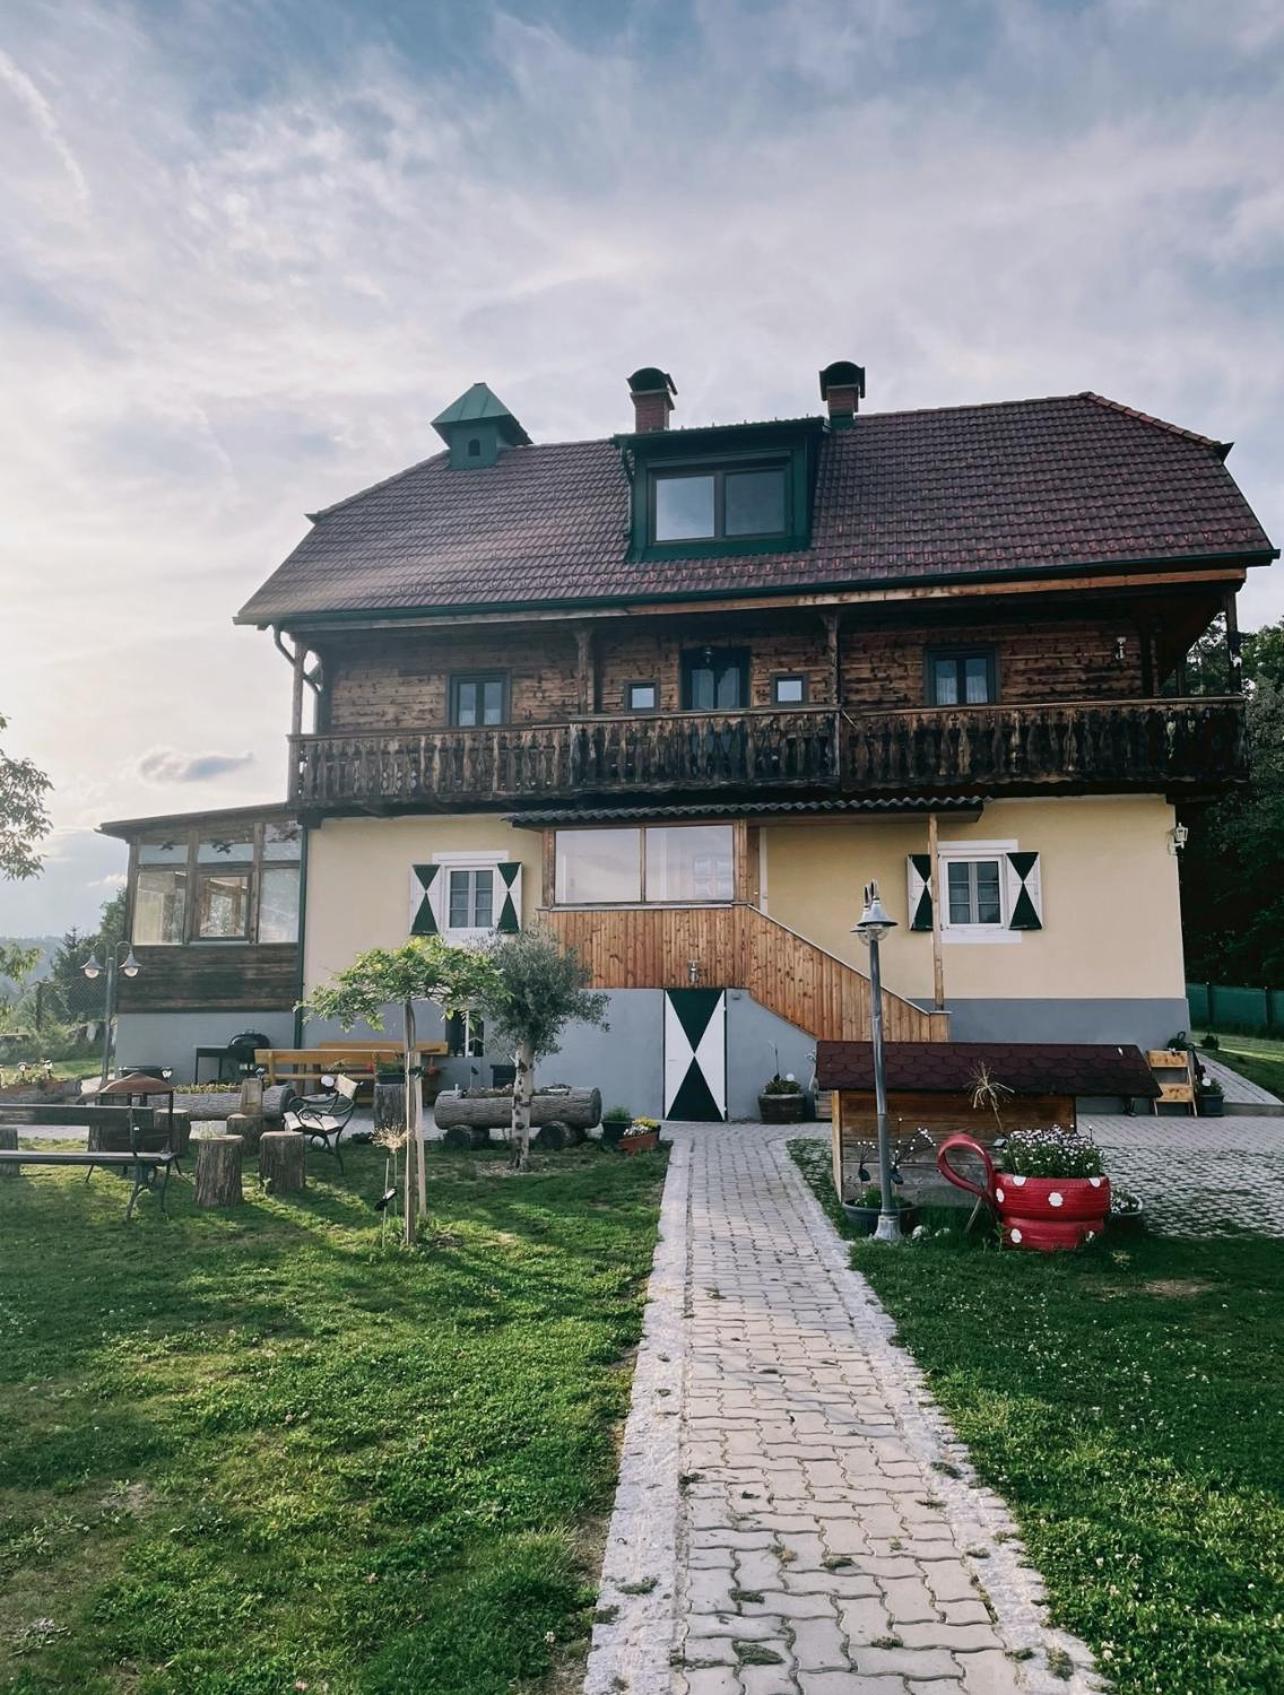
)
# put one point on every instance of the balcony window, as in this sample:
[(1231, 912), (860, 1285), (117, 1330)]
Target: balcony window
[(211, 884), (715, 680), (737, 504), (962, 679), (223, 905), (789, 691), (279, 904), (478, 699), (654, 864)]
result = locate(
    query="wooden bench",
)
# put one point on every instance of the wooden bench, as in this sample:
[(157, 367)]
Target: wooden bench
[(358, 1060), (143, 1164)]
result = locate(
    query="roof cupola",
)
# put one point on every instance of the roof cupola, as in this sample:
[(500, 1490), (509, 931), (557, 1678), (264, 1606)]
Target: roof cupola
[(477, 428)]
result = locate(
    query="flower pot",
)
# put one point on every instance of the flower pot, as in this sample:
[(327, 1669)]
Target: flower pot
[(864, 1220), (1130, 1223), (782, 1109), (1044, 1214), (1212, 1106), (638, 1141), (613, 1130)]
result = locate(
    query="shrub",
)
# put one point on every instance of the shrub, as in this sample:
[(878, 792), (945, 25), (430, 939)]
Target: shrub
[(1051, 1153), (782, 1086), (618, 1115)]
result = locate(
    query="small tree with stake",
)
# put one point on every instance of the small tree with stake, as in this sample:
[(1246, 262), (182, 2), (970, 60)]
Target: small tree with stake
[(538, 987), (424, 969)]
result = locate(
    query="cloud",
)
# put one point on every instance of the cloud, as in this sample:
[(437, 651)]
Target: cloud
[(164, 765)]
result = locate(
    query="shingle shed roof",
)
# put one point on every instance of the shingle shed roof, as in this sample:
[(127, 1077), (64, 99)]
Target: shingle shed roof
[(1027, 1068), (1023, 486)]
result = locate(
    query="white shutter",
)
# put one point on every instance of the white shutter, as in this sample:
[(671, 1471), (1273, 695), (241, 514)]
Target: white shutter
[(426, 885), (1025, 891), (507, 904), (918, 878)]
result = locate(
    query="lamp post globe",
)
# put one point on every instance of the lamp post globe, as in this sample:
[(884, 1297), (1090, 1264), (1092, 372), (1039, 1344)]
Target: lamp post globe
[(873, 924)]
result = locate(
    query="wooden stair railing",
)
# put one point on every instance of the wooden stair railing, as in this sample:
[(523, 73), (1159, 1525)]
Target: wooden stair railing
[(737, 947)]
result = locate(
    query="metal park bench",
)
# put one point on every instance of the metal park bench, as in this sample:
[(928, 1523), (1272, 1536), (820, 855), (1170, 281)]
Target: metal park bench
[(323, 1118), (150, 1152)]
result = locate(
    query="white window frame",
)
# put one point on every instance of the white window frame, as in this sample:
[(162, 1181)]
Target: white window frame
[(469, 862), (988, 934)]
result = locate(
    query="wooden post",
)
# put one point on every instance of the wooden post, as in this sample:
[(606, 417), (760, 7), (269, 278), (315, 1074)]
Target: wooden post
[(218, 1171), (585, 669), (833, 647), (1233, 652), (414, 1115), (283, 1162), (740, 860), (938, 962), (549, 867), (296, 697), (9, 1140)]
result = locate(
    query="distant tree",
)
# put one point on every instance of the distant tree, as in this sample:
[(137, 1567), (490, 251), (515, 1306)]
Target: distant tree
[(17, 963), (425, 969), (24, 821), (1232, 869), (79, 1000), (539, 987)]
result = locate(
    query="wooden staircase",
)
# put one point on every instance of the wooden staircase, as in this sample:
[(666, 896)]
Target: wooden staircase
[(742, 948)]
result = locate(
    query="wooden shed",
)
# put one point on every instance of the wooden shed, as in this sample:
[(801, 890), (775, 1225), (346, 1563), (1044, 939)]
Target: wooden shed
[(930, 1087)]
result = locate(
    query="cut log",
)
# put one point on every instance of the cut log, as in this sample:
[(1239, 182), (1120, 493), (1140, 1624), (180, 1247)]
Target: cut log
[(277, 1101), (462, 1136), (580, 1108), (248, 1129), (554, 1135), (9, 1139), (218, 1171), (282, 1161)]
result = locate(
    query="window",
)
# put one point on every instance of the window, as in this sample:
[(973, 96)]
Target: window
[(641, 697), (598, 865), (471, 899), (973, 891), (223, 905), (688, 862), (160, 904), (279, 904), (961, 679), (465, 1036), (478, 700), (713, 505), (788, 691), (715, 679)]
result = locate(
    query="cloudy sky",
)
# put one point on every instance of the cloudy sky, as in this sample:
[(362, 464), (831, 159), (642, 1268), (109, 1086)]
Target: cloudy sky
[(248, 248)]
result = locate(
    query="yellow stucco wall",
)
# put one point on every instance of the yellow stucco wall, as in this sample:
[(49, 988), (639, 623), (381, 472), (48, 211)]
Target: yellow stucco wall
[(1111, 911), (359, 878)]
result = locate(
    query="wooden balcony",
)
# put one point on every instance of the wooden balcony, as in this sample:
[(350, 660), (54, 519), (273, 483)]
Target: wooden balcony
[(1110, 746)]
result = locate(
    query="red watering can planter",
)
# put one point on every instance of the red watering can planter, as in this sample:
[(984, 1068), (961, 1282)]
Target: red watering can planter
[(1045, 1214)]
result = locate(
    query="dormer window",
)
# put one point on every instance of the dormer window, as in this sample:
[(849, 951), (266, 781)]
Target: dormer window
[(720, 504)]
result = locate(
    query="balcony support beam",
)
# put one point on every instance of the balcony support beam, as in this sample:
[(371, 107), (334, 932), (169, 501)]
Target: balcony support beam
[(934, 874)]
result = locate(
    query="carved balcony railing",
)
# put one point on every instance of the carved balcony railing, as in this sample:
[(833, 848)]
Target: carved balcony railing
[(1106, 745)]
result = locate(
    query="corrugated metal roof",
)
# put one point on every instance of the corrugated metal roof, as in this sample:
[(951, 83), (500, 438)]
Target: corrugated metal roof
[(889, 806)]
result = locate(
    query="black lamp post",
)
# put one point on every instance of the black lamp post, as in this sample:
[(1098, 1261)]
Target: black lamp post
[(873, 925), (91, 968)]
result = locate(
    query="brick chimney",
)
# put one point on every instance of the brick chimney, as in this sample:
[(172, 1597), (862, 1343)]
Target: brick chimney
[(842, 388), (652, 391)]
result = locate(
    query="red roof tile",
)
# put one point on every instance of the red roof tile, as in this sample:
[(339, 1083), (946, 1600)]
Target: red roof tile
[(1034, 485)]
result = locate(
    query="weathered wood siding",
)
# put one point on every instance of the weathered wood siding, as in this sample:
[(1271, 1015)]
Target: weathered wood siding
[(253, 977), (736, 947)]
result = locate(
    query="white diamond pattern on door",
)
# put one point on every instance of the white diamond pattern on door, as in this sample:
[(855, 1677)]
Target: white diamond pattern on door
[(695, 1054)]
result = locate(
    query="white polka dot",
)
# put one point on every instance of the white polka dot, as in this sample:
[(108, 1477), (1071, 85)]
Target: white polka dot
[(1095, 1181), (1018, 1182), (998, 1195), (1056, 1199), (1016, 1235)]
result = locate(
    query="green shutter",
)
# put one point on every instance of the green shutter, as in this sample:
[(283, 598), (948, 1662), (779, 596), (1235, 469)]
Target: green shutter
[(510, 911), (423, 920), (1025, 892), (918, 873)]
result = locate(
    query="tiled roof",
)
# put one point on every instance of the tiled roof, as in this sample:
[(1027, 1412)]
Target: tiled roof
[(1027, 1068), (1023, 486)]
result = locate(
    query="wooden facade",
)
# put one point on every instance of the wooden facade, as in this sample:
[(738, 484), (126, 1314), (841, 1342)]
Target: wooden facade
[(213, 977), (737, 947)]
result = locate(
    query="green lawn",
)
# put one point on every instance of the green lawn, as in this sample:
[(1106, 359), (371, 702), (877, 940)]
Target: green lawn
[(1258, 1058), (1125, 1401), (247, 1453)]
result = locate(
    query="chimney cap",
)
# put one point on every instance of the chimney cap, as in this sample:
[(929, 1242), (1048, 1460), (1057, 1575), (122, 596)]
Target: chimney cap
[(650, 378), (842, 374)]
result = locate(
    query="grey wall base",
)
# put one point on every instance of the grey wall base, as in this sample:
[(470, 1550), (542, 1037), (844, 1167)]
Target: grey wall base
[(171, 1038), (1148, 1023)]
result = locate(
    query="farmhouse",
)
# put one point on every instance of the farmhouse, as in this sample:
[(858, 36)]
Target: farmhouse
[(677, 694)]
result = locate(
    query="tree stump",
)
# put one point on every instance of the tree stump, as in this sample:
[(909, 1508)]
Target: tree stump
[(9, 1139), (218, 1171), (252, 1096), (247, 1128), (389, 1108), (282, 1161), (182, 1133)]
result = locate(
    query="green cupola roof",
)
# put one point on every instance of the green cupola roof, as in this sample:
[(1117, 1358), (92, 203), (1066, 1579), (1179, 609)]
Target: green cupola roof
[(476, 427)]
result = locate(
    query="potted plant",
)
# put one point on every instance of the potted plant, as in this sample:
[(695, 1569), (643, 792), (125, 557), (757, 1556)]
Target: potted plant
[(1210, 1098), (640, 1137), (781, 1101), (862, 1213), (615, 1121), (1126, 1210), (1051, 1192)]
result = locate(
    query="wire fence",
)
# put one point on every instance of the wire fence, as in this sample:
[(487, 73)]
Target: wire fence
[(1223, 1006)]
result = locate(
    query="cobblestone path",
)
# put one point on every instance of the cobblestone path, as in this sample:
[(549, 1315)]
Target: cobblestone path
[(1198, 1176), (794, 1515)]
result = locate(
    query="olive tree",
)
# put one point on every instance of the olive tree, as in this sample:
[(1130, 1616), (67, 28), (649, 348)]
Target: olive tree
[(424, 969), (536, 989)]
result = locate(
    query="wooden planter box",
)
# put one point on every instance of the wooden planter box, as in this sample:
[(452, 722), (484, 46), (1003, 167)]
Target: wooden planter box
[(782, 1109)]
